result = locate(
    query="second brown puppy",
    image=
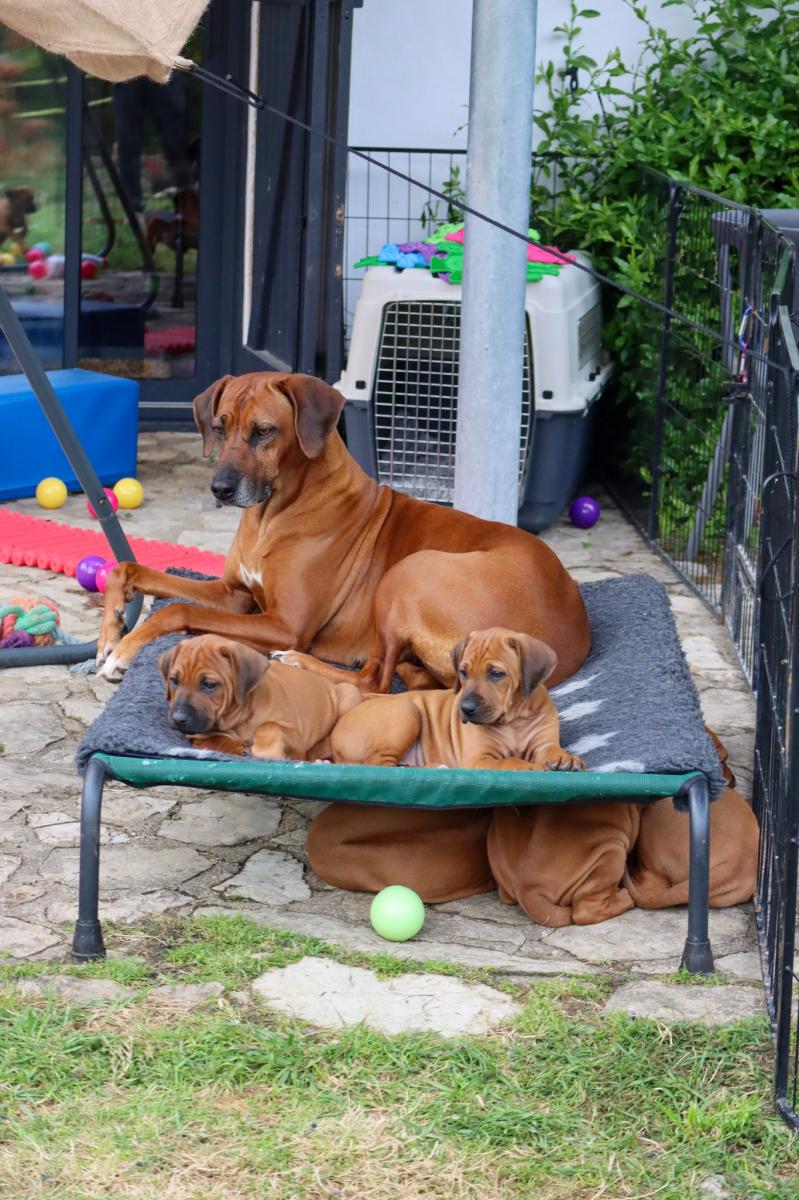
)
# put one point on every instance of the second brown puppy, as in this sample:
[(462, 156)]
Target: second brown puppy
[(224, 696), (498, 716)]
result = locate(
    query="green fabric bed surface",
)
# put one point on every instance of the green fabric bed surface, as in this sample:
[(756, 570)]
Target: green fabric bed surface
[(413, 787)]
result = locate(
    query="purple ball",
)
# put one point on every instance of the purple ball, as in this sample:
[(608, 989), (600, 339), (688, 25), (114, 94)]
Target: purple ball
[(86, 571), (584, 512)]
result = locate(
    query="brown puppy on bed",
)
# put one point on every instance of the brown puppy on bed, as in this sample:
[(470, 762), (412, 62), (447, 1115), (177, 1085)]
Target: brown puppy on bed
[(224, 696), (564, 863), (498, 716)]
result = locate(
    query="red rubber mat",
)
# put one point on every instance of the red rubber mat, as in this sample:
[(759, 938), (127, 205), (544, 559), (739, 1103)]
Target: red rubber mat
[(180, 339), (35, 542)]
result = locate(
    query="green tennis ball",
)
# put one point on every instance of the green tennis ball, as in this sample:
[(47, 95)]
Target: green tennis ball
[(396, 913)]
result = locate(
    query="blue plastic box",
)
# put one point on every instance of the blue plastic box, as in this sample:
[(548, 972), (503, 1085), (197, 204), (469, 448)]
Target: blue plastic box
[(104, 411)]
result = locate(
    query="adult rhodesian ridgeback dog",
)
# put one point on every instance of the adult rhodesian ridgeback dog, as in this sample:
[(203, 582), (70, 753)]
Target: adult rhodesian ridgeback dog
[(326, 561), (498, 716), (224, 696)]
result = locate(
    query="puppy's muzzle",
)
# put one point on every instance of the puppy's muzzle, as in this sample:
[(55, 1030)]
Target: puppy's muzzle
[(188, 719), (471, 709)]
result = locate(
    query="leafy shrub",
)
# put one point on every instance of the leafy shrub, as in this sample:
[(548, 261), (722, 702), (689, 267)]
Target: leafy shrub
[(714, 108)]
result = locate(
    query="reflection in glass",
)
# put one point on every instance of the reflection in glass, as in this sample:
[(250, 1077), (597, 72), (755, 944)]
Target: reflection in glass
[(141, 212), (32, 178)]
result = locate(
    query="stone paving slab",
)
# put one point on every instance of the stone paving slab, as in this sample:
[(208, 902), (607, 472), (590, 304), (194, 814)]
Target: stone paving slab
[(675, 1002), (271, 876), (333, 996), (189, 850), (74, 989), (186, 995)]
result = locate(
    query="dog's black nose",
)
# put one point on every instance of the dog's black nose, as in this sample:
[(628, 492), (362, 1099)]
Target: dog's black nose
[(224, 484), (183, 717), (469, 706)]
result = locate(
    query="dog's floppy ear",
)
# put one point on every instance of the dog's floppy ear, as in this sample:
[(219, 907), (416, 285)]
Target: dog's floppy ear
[(317, 407), (166, 662), (537, 660), (249, 668), (457, 655), (205, 406)]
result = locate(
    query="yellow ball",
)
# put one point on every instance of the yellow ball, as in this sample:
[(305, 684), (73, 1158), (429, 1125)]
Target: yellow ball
[(17, 250), (7, 260), (129, 493), (51, 492)]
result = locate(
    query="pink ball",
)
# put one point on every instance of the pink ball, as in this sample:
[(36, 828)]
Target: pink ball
[(112, 500), (86, 571), (35, 254), (101, 578), (37, 269)]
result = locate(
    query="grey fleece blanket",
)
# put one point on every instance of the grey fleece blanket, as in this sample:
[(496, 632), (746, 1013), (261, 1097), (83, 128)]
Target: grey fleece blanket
[(632, 706)]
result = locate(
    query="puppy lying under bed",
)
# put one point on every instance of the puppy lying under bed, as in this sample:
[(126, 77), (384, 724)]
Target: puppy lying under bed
[(226, 697), (657, 876), (440, 854), (564, 864)]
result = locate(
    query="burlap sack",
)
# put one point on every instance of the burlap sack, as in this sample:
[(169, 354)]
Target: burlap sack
[(112, 39)]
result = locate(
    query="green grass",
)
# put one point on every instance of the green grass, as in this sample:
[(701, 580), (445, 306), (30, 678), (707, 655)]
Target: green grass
[(233, 1102)]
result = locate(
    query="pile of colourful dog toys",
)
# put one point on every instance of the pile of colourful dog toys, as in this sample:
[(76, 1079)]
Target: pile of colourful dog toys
[(442, 255)]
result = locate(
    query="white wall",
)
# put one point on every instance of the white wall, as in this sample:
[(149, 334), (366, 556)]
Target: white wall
[(410, 72), (410, 63)]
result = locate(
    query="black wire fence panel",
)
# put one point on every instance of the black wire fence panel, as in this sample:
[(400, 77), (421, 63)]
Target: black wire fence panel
[(688, 461), (776, 775), (706, 461)]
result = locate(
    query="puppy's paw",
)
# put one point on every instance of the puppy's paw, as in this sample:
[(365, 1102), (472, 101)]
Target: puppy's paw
[(557, 759)]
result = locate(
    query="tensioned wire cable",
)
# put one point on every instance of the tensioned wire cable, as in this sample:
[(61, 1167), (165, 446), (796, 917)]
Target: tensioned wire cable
[(228, 85)]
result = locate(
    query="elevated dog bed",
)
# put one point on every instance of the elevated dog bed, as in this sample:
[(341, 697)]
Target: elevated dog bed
[(631, 712)]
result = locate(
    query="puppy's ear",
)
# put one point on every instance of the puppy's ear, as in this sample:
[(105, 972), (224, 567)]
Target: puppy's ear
[(166, 662), (205, 406), (249, 668), (317, 407), (457, 655), (537, 660)]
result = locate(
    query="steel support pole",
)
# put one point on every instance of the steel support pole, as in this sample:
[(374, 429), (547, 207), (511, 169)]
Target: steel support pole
[(494, 274)]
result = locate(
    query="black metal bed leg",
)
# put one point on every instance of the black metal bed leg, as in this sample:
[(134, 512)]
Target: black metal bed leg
[(87, 942), (697, 956)]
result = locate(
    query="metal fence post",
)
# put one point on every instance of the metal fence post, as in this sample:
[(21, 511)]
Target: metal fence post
[(663, 369), (494, 270)]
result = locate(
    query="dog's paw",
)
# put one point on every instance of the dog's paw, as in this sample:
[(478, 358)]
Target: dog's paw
[(558, 759), (111, 666)]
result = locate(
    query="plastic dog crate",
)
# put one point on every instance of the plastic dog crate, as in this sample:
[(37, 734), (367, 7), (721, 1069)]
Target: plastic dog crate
[(401, 385)]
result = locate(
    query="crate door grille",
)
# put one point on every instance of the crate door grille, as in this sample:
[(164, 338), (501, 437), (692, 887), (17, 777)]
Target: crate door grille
[(415, 399)]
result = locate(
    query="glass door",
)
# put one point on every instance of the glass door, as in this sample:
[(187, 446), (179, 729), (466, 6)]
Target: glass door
[(33, 121), (140, 233)]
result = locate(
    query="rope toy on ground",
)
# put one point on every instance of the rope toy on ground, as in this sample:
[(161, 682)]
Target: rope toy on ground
[(29, 621)]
